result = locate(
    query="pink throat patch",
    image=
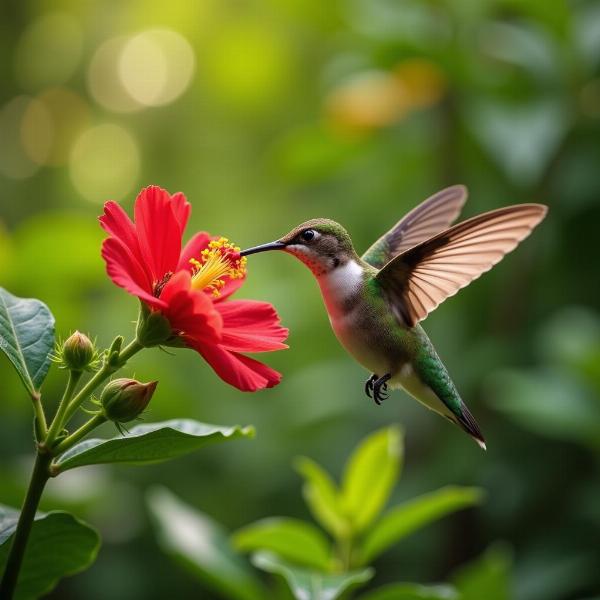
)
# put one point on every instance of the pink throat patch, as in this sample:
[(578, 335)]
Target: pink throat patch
[(314, 265)]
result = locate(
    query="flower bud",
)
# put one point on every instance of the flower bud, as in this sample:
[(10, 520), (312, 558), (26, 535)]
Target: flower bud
[(125, 399), (153, 329), (78, 353)]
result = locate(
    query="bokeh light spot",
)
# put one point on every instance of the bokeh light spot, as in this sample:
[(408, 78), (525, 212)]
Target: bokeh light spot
[(371, 99), (156, 66), (103, 79), (104, 163), (367, 100), (48, 51), (423, 81)]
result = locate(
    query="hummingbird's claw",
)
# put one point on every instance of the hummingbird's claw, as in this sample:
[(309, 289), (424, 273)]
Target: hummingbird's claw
[(369, 385), (380, 389)]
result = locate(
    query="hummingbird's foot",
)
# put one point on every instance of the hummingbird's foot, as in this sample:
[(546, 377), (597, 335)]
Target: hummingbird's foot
[(369, 384), (380, 388)]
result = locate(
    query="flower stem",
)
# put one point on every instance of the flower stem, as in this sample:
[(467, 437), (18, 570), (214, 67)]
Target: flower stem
[(39, 477), (41, 427), (59, 417), (110, 366), (132, 348), (79, 433)]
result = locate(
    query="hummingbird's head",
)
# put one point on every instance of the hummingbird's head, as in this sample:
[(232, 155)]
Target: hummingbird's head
[(321, 244)]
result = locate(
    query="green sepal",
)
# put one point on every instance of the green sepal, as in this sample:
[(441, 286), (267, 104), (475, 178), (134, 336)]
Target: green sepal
[(153, 329), (113, 353)]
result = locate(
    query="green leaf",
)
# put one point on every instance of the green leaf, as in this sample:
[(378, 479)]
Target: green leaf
[(370, 475), (292, 539), (488, 577), (203, 546), (59, 545), (311, 585), (412, 591), (406, 518), (322, 497), (26, 337), (146, 444)]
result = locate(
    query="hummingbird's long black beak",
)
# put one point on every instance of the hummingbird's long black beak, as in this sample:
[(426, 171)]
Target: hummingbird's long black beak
[(263, 248)]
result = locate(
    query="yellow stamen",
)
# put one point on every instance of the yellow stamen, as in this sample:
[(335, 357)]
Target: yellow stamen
[(220, 259)]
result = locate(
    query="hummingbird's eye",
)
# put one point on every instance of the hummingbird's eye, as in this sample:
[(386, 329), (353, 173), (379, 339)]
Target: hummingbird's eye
[(308, 235)]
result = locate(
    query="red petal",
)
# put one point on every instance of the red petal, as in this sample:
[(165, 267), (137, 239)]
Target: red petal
[(116, 222), (189, 311), (125, 271), (242, 372), (251, 326), (231, 286), (181, 209), (193, 249), (158, 230)]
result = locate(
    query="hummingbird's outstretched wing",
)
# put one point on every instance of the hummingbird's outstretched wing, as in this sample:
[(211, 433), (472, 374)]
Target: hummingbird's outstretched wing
[(421, 278), (433, 215)]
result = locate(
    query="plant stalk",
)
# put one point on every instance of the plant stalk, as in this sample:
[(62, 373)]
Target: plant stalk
[(39, 477), (59, 418), (345, 550), (80, 433), (41, 426)]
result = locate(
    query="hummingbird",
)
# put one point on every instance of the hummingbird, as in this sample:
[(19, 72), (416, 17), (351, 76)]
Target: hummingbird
[(376, 301)]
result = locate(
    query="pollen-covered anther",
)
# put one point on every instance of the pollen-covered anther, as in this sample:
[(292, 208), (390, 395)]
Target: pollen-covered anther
[(220, 259)]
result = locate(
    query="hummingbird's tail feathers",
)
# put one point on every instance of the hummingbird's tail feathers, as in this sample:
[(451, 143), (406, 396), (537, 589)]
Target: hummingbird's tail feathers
[(467, 422), (427, 380)]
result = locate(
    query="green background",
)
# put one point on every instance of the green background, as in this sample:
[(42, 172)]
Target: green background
[(267, 113)]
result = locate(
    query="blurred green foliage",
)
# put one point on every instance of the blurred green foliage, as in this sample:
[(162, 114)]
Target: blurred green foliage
[(312, 566), (354, 110)]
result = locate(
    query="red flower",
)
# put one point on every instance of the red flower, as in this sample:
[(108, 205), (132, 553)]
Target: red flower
[(188, 286)]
